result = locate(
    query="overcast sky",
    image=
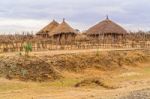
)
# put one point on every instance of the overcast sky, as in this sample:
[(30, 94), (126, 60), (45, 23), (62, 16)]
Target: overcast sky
[(32, 15)]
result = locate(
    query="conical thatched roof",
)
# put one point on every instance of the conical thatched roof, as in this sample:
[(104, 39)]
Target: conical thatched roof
[(50, 27), (64, 28), (106, 26)]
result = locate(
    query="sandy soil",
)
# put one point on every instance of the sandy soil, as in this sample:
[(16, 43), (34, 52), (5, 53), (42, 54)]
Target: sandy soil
[(129, 83)]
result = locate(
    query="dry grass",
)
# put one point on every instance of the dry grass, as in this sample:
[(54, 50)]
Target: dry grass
[(93, 81), (48, 67)]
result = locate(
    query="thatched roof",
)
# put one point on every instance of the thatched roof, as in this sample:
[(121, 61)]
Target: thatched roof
[(50, 27), (106, 26), (63, 28)]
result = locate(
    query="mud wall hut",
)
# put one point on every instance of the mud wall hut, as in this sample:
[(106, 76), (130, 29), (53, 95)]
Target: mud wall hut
[(106, 30), (63, 34), (47, 29)]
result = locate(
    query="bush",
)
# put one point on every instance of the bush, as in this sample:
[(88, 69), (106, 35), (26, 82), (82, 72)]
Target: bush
[(28, 48)]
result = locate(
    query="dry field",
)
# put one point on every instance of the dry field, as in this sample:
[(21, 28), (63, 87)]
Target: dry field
[(81, 74)]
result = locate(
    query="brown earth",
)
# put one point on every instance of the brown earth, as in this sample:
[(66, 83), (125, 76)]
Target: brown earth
[(94, 75)]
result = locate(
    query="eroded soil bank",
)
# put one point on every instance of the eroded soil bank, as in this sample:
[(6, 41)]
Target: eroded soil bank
[(50, 67), (94, 75)]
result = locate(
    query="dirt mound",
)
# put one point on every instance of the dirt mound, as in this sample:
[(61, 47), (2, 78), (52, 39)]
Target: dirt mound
[(30, 68), (95, 82), (49, 67), (100, 60), (135, 57)]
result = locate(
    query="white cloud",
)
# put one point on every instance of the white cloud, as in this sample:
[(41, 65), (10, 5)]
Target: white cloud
[(137, 27), (19, 25), (19, 15)]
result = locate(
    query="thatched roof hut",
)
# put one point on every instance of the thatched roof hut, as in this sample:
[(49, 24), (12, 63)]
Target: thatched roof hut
[(63, 28), (106, 27), (63, 34), (49, 28)]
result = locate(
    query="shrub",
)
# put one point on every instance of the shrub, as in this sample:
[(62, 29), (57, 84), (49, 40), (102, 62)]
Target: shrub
[(28, 48)]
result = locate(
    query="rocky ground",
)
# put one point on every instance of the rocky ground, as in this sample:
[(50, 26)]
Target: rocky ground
[(139, 94)]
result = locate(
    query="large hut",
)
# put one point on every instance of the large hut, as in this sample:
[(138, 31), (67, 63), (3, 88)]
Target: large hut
[(106, 29), (63, 34), (47, 29)]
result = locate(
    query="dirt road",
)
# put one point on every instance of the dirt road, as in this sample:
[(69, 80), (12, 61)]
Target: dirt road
[(34, 91)]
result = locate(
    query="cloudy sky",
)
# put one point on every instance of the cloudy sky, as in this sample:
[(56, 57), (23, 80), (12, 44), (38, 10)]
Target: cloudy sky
[(31, 15)]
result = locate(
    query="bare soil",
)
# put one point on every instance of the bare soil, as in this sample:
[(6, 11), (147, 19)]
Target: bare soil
[(130, 80)]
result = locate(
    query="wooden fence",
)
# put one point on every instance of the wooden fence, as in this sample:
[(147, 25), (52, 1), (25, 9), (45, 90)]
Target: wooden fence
[(15, 43), (43, 46)]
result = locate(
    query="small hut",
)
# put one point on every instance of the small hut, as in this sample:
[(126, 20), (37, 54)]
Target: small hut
[(63, 34), (106, 29), (47, 29)]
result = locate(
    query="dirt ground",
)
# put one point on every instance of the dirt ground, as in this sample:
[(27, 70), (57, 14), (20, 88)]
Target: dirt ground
[(129, 82), (58, 52), (122, 82)]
